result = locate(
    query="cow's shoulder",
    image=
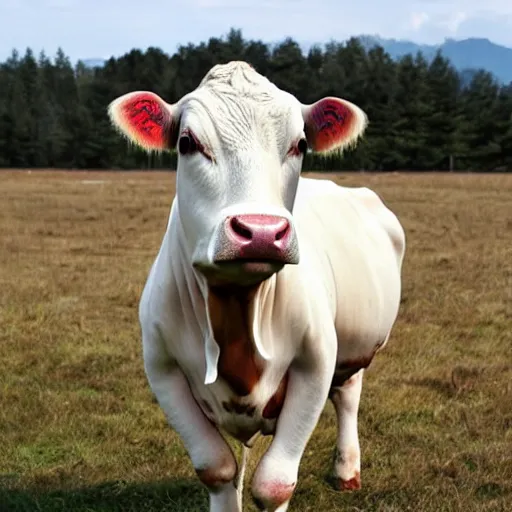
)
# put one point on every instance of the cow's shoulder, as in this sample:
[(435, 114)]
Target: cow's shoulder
[(382, 214), (350, 206), (164, 308)]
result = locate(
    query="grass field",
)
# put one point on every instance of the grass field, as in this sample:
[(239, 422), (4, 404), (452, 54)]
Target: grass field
[(79, 430)]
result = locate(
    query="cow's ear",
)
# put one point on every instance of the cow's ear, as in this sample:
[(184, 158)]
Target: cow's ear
[(333, 124), (145, 119)]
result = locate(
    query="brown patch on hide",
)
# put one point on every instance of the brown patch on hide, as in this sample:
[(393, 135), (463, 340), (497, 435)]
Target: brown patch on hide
[(229, 311), (234, 406), (346, 369), (275, 404), (207, 407), (227, 406), (244, 434)]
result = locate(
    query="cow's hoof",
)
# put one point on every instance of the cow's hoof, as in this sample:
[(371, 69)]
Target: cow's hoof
[(352, 484)]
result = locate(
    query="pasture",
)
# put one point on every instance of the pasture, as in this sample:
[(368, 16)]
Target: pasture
[(79, 430)]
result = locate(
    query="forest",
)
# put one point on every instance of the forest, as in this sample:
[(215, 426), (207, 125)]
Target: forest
[(424, 115)]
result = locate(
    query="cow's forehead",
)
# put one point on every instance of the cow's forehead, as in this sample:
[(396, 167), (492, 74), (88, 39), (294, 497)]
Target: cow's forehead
[(241, 78), (238, 104)]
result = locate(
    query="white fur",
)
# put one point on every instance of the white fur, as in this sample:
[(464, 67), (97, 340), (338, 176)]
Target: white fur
[(345, 399)]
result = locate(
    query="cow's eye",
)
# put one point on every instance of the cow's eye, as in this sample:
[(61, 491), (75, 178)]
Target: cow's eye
[(187, 144), (299, 148), (302, 146)]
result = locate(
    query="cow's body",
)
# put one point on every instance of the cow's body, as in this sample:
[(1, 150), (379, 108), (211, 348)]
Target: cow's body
[(226, 349), (351, 283)]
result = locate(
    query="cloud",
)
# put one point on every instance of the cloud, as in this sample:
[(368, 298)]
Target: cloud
[(445, 22), (418, 19), (453, 21)]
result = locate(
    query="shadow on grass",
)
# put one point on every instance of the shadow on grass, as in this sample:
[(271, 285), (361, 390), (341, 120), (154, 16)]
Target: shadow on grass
[(168, 496)]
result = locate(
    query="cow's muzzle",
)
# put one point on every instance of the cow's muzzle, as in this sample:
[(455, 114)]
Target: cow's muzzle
[(257, 239)]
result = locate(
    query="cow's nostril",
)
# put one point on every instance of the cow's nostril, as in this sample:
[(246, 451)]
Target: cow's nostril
[(241, 230), (282, 232)]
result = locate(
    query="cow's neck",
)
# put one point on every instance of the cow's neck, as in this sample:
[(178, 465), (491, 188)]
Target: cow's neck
[(231, 321), (235, 350)]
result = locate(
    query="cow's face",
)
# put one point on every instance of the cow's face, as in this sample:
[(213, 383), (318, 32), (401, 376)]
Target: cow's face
[(240, 143)]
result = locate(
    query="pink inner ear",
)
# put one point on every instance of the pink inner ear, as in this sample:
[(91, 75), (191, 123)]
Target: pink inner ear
[(328, 124), (149, 120)]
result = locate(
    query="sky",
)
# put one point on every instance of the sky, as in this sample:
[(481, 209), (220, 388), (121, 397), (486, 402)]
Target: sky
[(102, 28)]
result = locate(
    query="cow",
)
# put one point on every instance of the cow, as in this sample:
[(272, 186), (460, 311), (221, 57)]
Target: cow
[(271, 292)]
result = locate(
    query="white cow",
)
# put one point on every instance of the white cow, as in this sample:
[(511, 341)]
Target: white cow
[(270, 292)]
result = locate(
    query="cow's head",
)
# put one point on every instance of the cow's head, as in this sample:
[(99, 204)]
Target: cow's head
[(240, 143)]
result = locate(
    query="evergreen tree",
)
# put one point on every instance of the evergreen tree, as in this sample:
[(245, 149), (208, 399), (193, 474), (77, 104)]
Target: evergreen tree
[(423, 115), (444, 119), (479, 124)]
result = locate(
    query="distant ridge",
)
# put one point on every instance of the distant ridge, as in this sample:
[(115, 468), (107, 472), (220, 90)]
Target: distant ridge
[(472, 53), (465, 54)]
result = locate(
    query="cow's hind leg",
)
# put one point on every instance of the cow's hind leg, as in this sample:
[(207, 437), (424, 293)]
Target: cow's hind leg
[(347, 464)]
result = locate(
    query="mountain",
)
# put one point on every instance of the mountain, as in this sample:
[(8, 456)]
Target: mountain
[(472, 53), (466, 55)]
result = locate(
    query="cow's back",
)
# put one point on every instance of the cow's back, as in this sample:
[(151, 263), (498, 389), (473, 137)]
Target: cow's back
[(358, 245)]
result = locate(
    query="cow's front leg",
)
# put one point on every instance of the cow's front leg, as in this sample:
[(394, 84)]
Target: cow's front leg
[(276, 475), (211, 456), (347, 464)]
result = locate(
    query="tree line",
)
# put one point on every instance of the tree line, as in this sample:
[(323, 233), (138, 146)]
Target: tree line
[(424, 115)]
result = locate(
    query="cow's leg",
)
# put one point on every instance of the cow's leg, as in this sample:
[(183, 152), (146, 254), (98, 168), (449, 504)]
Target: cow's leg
[(276, 475), (211, 456), (347, 464)]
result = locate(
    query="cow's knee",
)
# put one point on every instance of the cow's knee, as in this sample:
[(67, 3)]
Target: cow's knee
[(272, 491), (272, 496), (217, 475)]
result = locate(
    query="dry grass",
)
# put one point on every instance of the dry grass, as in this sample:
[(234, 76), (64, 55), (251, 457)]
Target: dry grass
[(79, 429)]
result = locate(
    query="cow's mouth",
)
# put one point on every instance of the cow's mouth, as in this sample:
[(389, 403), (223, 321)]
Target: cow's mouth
[(240, 272), (253, 266)]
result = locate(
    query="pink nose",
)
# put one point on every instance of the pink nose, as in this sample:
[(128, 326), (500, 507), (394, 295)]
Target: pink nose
[(260, 237)]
